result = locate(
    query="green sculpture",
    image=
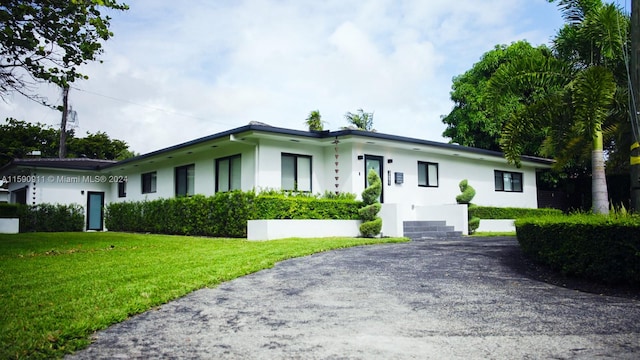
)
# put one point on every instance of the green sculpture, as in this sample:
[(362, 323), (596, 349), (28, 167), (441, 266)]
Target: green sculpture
[(371, 223), (467, 195)]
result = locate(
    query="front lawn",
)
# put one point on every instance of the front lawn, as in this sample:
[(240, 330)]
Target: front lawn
[(56, 289)]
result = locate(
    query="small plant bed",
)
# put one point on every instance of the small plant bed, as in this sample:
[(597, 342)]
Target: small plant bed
[(56, 289)]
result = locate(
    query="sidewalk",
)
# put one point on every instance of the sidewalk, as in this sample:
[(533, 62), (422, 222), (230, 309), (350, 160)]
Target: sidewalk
[(435, 299)]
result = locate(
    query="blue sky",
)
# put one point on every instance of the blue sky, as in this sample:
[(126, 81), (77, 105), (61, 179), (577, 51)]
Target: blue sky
[(175, 71)]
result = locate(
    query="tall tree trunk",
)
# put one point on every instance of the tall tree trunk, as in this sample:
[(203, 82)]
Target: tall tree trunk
[(635, 91), (62, 150), (600, 195)]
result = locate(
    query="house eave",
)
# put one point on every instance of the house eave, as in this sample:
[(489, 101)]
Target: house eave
[(259, 130)]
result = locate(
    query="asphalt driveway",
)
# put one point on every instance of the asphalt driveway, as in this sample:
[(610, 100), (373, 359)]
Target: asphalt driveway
[(436, 299)]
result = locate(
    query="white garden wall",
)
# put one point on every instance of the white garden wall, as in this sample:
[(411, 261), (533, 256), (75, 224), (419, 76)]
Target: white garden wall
[(496, 225), (288, 228), (9, 226)]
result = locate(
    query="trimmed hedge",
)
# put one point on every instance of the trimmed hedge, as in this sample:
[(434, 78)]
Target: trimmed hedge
[(287, 207), (51, 218), (9, 210), (601, 248), (489, 212), (223, 215)]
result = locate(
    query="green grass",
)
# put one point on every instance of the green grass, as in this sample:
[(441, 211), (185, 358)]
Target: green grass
[(56, 289)]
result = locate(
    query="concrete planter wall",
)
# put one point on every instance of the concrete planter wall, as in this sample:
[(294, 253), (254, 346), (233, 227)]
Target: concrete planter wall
[(496, 225), (288, 228), (9, 226)]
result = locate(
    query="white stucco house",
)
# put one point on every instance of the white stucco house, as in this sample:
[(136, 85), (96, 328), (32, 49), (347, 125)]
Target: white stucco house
[(420, 178)]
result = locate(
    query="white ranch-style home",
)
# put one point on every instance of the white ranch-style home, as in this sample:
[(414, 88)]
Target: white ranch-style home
[(420, 178)]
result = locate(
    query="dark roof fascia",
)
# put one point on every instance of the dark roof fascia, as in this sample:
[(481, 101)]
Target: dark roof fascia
[(224, 134), (453, 147), (324, 135), (68, 164)]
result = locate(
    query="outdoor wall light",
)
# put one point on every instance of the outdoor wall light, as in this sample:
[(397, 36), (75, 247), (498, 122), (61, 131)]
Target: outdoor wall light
[(360, 157), (389, 161)]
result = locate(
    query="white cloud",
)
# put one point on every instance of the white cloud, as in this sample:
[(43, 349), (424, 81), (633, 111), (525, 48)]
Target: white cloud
[(175, 72)]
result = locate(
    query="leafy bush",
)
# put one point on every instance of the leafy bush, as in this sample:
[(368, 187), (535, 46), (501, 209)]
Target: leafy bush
[(371, 223), (490, 212), (602, 248), (51, 218), (9, 210), (371, 228), (225, 214), (287, 207), (474, 224)]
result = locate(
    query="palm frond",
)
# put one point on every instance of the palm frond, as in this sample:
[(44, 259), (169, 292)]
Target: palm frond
[(575, 11), (593, 91)]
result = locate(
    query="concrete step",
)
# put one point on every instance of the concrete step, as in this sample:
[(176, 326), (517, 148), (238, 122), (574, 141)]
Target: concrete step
[(416, 230)]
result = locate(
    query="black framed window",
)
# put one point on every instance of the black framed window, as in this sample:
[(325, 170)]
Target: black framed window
[(296, 172), (228, 173), (508, 181), (184, 176), (122, 188), (427, 174), (149, 181)]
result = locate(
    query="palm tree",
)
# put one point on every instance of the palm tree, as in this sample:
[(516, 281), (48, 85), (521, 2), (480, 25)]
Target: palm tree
[(579, 90), (361, 120), (314, 121)]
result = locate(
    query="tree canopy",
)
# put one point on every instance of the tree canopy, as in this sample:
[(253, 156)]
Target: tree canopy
[(569, 102), (474, 120), (19, 138), (46, 41)]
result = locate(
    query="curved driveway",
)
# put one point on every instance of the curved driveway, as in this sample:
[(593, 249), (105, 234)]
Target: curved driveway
[(434, 299)]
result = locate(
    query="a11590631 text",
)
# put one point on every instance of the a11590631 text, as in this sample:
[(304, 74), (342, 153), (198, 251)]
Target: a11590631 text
[(63, 179)]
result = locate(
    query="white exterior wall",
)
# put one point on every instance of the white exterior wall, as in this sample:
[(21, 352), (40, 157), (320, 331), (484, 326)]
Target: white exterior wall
[(451, 170), (62, 186), (204, 179), (266, 173), (270, 167)]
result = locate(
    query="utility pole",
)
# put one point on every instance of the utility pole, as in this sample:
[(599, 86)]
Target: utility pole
[(635, 97), (62, 150)]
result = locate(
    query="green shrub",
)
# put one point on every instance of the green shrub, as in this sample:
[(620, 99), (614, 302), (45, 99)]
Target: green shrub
[(9, 210), (287, 207), (490, 212), (369, 212), (371, 224), (51, 218), (602, 248), (474, 224), (223, 215), (371, 228)]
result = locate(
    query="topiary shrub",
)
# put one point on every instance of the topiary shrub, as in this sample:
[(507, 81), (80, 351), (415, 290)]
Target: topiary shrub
[(371, 223), (467, 195)]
